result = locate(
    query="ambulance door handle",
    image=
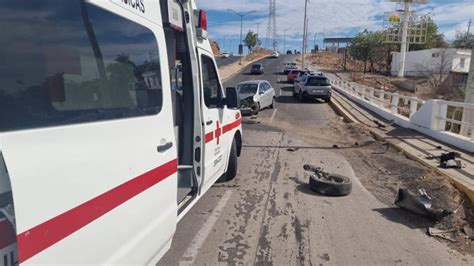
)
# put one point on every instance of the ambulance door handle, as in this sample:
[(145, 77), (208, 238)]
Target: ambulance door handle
[(164, 147), (208, 123)]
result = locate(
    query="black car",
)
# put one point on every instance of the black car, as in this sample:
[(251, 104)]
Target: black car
[(289, 52), (257, 69)]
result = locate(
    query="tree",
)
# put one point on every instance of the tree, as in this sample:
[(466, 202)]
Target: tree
[(251, 40), (436, 71), (464, 40), (434, 39), (368, 46)]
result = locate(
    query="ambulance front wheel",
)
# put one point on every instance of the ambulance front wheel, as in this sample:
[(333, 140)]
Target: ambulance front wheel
[(232, 168)]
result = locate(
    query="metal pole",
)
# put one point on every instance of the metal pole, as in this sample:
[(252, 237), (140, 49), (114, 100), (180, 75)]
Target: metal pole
[(241, 25), (284, 41), (223, 45), (304, 33), (403, 50), (314, 46)]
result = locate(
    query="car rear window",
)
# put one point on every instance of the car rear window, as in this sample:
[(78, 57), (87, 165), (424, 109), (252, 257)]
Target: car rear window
[(318, 81), (256, 66)]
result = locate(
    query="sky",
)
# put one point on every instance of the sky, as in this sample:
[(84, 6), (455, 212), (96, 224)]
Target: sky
[(334, 18)]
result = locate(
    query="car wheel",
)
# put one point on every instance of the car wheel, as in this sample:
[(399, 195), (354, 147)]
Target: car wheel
[(327, 99), (273, 103), (330, 185), (232, 167)]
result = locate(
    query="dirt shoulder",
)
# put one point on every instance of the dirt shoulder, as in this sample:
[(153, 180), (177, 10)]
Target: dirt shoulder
[(377, 77)]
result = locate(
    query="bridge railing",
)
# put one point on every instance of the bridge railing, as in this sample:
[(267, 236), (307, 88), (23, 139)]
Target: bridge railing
[(439, 119)]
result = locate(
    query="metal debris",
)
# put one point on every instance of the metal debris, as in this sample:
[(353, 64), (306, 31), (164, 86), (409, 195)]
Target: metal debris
[(469, 231), (419, 204), (450, 234), (448, 160)]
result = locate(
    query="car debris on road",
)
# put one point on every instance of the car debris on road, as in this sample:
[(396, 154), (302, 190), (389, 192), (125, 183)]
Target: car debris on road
[(450, 234), (419, 204)]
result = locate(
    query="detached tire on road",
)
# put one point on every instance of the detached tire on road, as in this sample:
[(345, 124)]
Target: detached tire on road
[(333, 185)]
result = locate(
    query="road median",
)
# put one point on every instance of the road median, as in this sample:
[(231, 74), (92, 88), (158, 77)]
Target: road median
[(228, 71)]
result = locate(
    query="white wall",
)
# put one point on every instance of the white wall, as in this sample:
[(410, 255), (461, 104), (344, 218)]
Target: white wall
[(462, 54), (421, 61)]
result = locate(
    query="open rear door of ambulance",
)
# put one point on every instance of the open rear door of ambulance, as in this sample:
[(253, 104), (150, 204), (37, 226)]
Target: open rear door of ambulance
[(88, 142)]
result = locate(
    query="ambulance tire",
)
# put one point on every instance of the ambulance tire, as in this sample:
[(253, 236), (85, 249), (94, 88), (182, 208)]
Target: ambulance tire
[(232, 168)]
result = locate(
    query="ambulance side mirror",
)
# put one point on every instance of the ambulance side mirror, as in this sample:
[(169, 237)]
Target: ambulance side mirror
[(232, 99)]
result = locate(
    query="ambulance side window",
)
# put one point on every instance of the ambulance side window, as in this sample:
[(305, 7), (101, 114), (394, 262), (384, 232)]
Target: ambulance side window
[(76, 63), (211, 85)]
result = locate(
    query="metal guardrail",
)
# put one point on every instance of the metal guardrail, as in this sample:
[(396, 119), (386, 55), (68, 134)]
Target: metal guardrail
[(447, 116)]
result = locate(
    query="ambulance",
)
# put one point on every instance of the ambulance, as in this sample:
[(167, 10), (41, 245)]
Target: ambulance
[(113, 124)]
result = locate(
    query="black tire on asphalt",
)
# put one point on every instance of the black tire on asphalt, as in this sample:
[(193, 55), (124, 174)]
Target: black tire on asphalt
[(335, 185), (327, 99), (273, 103), (232, 168)]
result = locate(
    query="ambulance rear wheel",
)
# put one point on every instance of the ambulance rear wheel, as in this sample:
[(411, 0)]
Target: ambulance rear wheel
[(232, 168)]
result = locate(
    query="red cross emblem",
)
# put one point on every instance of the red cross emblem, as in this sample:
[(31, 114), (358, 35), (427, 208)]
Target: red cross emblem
[(218, 132)]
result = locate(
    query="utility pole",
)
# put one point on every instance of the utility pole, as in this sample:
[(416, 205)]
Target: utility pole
[(241, 15), (303, 52), (284, 41), (403, 50), (258, 34), (314, 46), (223, 45), (468, 29)]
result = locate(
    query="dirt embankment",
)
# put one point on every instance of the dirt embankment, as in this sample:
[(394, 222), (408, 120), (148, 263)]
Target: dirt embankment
[(379, 78)]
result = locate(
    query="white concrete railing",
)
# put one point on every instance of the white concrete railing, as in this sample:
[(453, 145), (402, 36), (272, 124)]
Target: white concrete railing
[(439, 119)]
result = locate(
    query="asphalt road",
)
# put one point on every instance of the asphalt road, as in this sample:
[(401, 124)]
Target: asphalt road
[(267, 214)]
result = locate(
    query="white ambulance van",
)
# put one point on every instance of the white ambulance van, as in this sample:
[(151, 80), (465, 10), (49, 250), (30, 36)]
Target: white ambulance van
[(113, 124)]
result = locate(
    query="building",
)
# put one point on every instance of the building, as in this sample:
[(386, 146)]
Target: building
[(452, 61)]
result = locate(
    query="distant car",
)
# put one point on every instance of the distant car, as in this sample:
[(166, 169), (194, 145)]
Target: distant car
[(289, 52), (289, 66), (257, 69), (315, 86), (255, 96), (294, 74), (225, 55), (275, 54)]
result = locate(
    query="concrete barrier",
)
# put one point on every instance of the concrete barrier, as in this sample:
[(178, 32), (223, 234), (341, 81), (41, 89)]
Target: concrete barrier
[(432, 117)]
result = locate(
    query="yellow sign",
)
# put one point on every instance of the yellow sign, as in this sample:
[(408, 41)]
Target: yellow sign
[(394, 17)]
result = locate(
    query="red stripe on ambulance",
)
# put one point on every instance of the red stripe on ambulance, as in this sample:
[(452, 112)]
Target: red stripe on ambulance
[(43, 236)]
